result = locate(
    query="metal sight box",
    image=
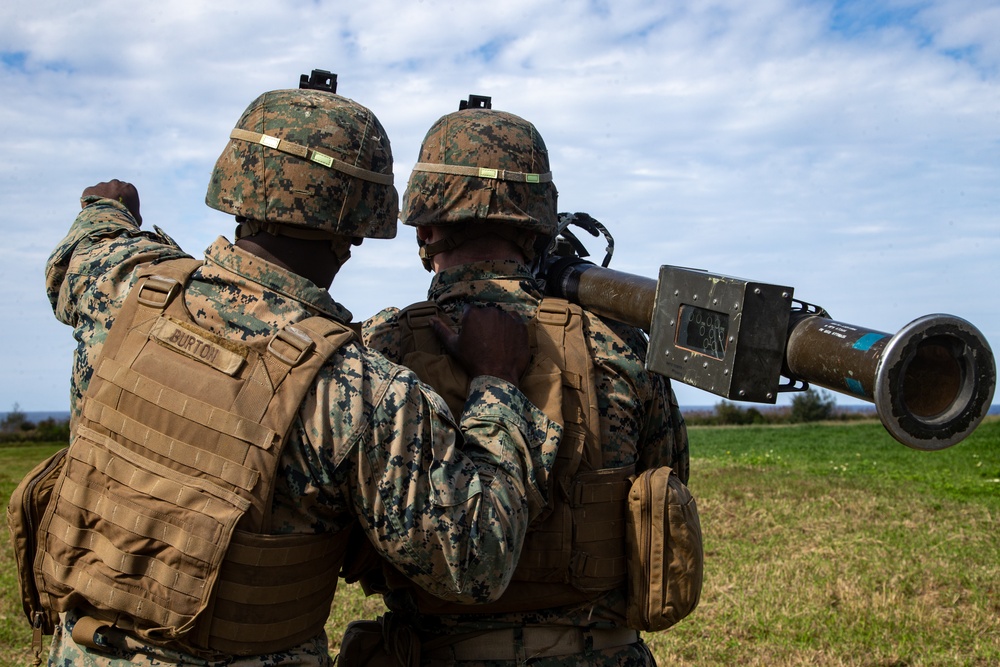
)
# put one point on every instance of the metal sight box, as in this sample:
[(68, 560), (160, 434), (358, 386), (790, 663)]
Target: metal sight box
[(720, 334)]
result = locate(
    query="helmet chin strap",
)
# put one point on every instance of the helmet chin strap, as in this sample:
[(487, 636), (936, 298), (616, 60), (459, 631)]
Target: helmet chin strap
[(428, 250)]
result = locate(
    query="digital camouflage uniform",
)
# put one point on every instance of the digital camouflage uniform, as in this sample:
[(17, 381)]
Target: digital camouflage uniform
[(370, 444), (484, 172), (640, 423)]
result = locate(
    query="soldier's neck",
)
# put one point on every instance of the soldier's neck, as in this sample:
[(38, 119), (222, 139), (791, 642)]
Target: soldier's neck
[(317, 261)]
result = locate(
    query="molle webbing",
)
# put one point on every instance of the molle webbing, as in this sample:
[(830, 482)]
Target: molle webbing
[(273, 590), (161, 521), (578, 547)]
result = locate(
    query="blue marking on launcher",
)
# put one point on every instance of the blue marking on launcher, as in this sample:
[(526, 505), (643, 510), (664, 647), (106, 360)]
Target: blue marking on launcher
[(855, 387), (865, 342)]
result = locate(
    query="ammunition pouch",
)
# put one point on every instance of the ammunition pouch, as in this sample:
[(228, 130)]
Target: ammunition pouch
[(666, 559), (24, 515)]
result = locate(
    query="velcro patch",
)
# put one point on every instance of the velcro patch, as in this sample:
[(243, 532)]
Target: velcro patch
[(199, 346)]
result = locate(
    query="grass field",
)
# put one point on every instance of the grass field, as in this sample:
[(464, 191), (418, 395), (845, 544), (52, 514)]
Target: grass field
[(827, 545)]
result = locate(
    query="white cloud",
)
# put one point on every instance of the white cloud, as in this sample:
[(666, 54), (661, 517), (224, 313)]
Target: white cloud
[(847, 149)]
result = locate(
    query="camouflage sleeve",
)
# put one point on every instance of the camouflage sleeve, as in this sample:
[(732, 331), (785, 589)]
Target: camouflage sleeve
[(89, 273), (448, 506), (663, 438), (380, 333)]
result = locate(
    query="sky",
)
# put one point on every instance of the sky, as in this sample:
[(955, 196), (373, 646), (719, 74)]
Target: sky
[(850, 150)]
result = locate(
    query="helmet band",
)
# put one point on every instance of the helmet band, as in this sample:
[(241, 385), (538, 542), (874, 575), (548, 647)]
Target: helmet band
[(483, 172), (319, 158)]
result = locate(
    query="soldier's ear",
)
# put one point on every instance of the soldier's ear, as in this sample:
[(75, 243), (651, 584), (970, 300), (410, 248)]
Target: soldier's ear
[(425, 234)]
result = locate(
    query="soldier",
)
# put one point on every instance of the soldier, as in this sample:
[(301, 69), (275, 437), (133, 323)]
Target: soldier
[(232, 437), (483, 203)]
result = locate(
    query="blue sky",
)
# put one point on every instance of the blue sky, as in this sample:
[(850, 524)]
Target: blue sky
[(848, 149)]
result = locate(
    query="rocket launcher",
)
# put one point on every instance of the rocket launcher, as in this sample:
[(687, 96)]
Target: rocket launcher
[(932, 382)]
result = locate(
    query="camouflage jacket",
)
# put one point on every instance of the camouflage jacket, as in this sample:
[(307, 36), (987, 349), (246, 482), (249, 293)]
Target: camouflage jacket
[(447, 504), (641, 422)]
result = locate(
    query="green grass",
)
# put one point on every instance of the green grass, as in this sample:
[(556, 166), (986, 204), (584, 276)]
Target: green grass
[(828, 545), (835, 545)]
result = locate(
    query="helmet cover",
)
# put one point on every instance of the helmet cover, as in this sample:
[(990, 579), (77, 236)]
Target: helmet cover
[(482, 165), (308, 159)]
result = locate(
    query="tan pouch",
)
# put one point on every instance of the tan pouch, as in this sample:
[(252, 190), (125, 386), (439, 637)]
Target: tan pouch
[(665, 553), (24, 514)]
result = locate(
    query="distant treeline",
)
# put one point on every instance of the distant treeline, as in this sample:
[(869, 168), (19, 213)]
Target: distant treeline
[(16, 427), (807, 406)]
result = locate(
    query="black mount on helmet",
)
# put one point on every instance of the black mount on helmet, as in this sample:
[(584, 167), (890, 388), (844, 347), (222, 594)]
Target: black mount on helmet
[(476, 102), (320, 79)]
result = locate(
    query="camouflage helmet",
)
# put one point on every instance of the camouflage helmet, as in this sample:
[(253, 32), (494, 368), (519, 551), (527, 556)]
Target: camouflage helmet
[(311, 162), (482, 165)]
